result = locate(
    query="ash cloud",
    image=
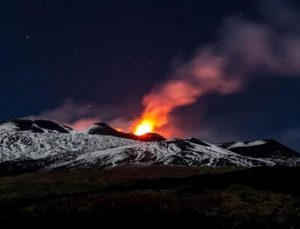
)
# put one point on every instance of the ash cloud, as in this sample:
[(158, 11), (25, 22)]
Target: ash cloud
[(244, 49)]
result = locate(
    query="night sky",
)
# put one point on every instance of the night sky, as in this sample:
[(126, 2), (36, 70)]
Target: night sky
[(94, 61)]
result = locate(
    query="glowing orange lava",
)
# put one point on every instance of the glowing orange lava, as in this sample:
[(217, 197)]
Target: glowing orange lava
[(143, 127)]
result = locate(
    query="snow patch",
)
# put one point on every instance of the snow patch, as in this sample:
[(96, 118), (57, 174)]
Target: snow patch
[(246, 144)]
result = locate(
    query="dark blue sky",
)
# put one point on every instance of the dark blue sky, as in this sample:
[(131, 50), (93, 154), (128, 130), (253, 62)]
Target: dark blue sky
[(113, 52)]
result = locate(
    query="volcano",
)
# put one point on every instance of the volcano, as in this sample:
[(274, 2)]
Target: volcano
[(37, 145), (105, 129), (51, 174)]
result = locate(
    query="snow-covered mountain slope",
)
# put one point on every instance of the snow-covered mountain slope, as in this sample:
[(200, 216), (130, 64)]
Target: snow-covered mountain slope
[(16, 145), (170, 152), (87, 150), (36, 126), (260, 149), (28, 150)]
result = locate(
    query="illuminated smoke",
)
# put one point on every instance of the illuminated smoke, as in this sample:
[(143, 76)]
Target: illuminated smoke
[(205, 73), (245, 50)]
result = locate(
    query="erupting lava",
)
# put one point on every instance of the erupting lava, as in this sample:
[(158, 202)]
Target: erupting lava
[(143, 127)]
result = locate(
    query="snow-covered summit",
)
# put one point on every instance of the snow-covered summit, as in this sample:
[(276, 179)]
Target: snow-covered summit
[(35, 126), (268, 148), (29, 145)]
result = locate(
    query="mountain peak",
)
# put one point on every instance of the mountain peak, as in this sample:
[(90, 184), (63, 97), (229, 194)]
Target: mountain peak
[(266, 148), (103, 125), (25, 147), (34, 125), (104, 129)]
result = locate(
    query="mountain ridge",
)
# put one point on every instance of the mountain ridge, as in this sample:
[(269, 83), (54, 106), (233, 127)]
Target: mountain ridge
[(265, 147), (52, 147), (105, 129)]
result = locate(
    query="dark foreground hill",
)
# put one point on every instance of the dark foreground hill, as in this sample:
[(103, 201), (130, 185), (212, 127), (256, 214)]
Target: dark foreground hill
[(51, 175), (154, 196)]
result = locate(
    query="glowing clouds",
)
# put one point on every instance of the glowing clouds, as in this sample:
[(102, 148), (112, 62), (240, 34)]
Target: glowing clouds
[(83, 123), (159, 103), (245, 51), (203, 74)]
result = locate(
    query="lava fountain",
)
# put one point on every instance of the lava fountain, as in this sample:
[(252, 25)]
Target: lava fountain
[(143, 127)]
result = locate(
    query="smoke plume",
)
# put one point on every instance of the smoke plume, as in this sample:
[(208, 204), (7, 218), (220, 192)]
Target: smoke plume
[(245, 49)]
